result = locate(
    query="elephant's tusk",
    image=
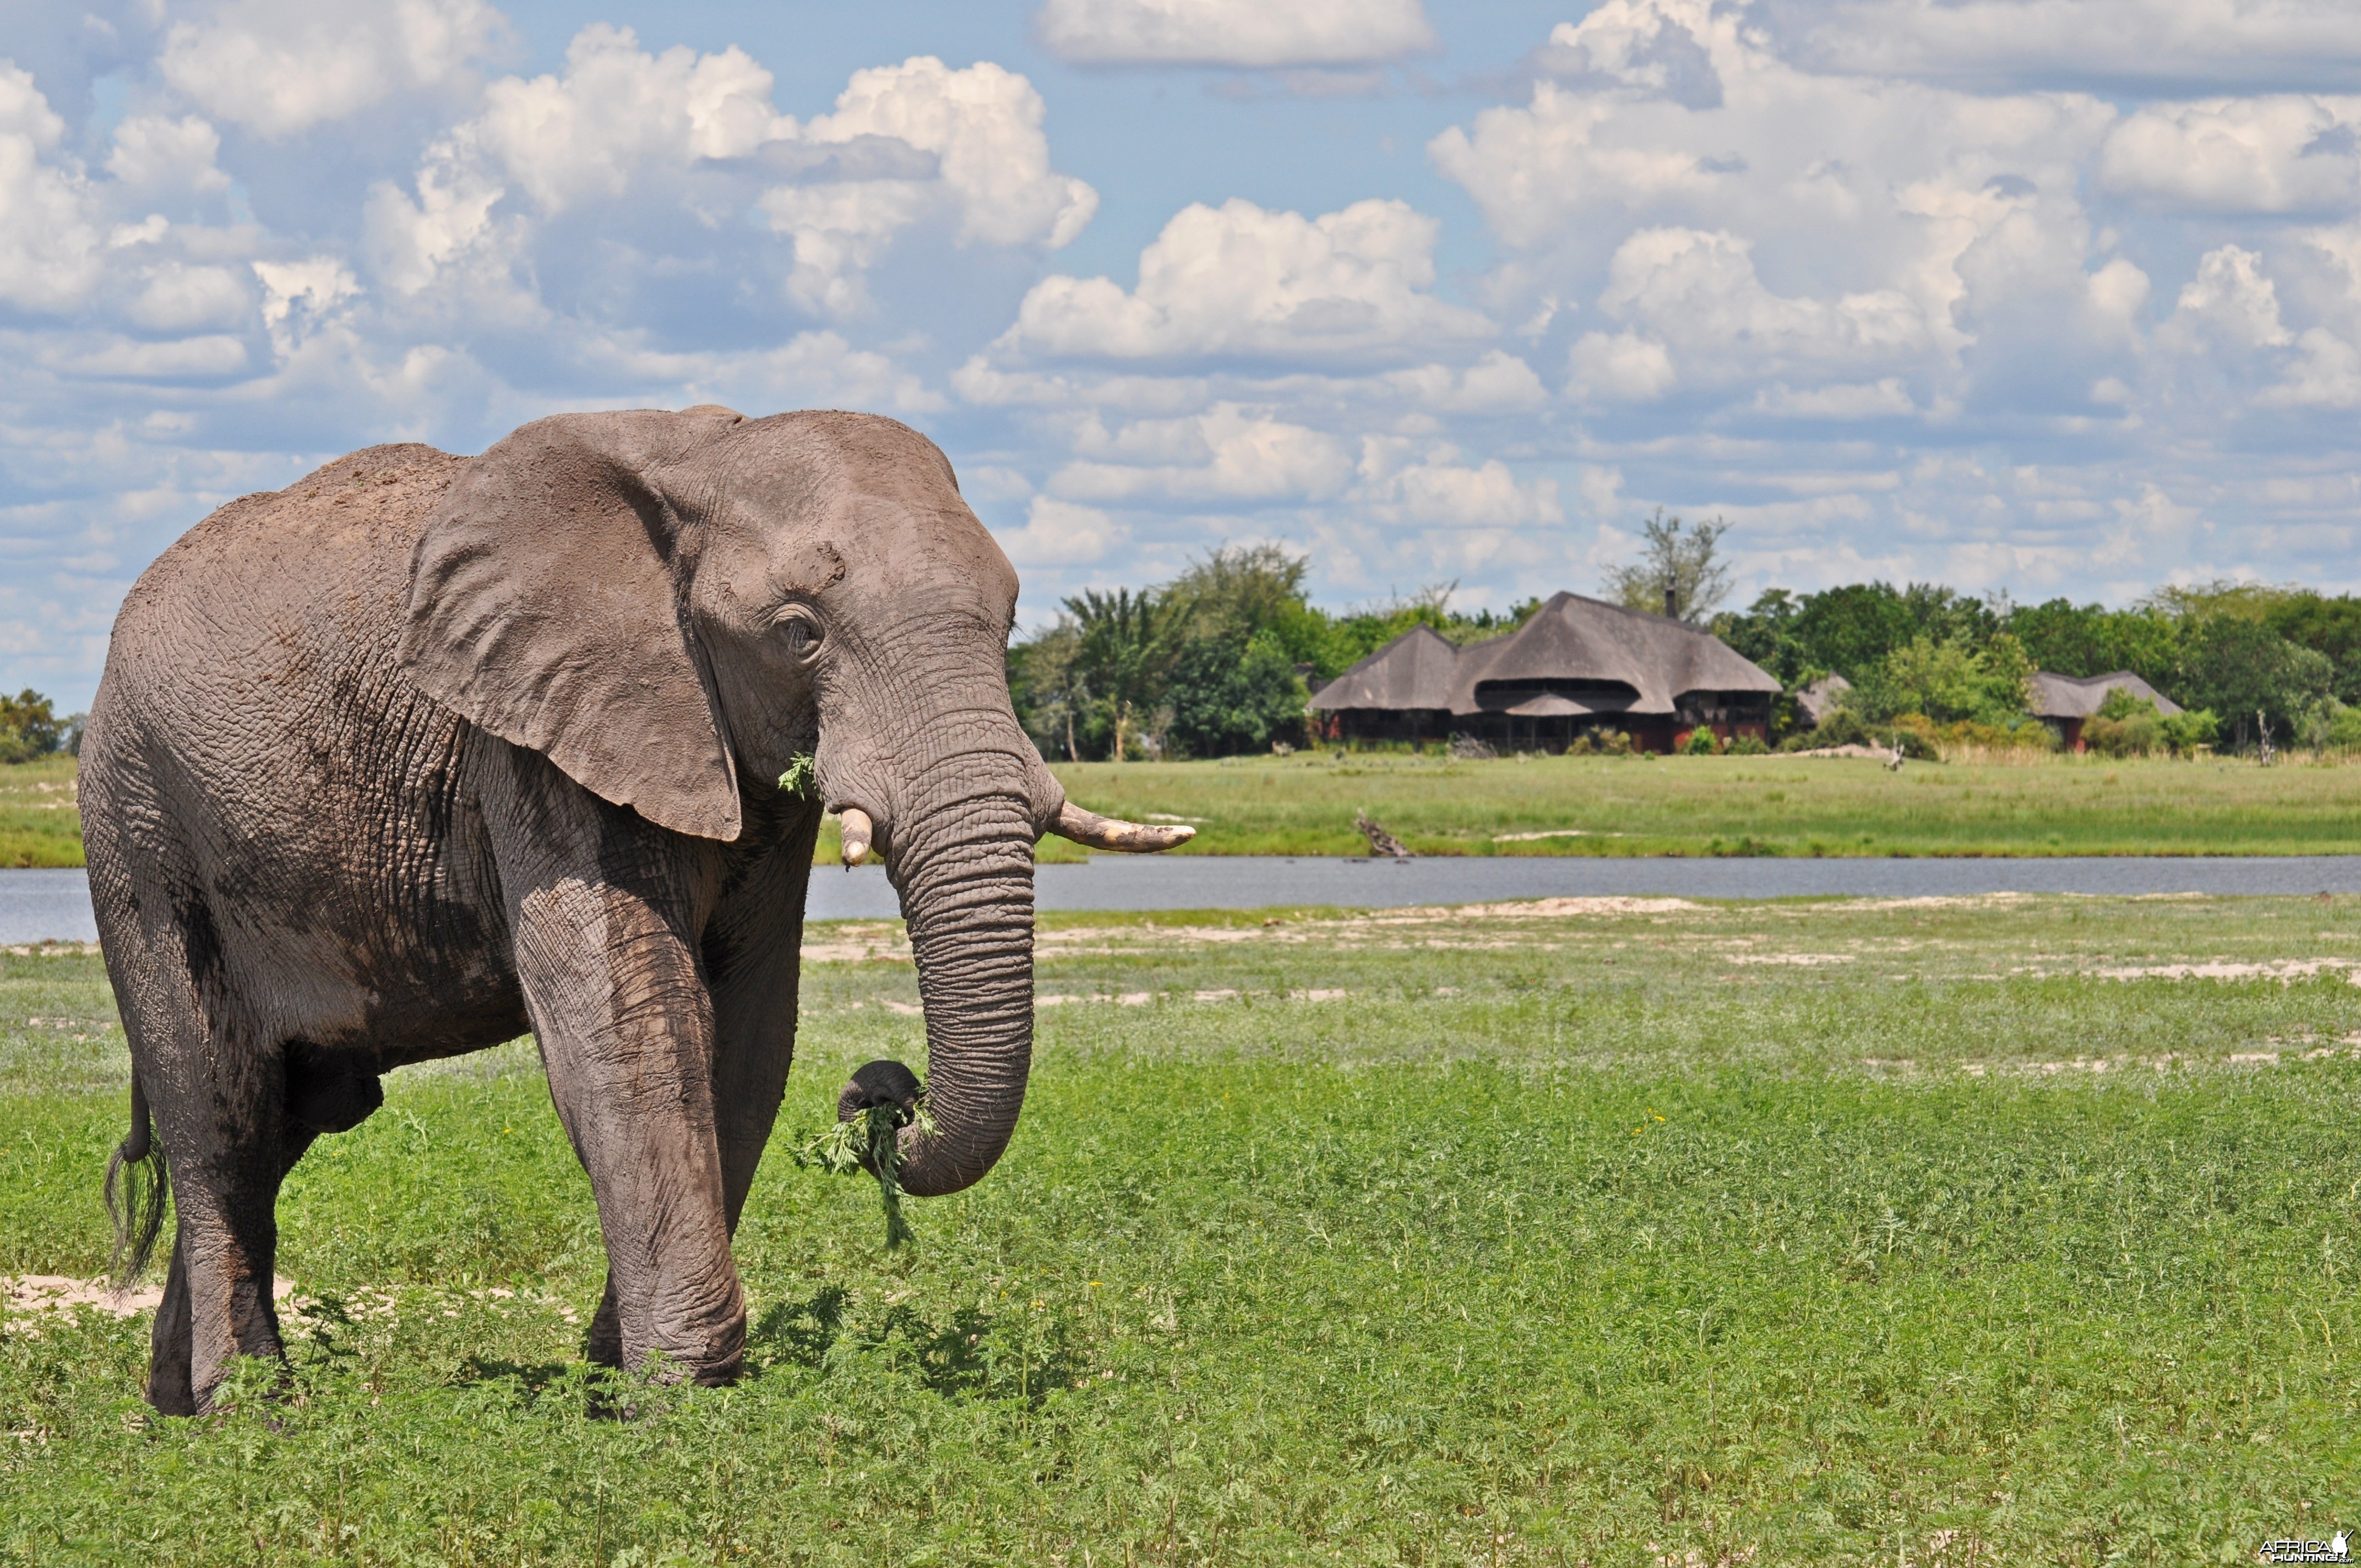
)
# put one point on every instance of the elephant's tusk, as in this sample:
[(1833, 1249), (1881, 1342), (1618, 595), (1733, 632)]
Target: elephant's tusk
[(1089, 829), (857, 834)]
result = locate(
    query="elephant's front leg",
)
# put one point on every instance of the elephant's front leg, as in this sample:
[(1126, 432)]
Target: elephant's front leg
[(626, 1031)]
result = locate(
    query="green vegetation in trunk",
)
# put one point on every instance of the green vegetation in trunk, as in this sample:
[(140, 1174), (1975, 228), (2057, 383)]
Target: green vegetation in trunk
[(868, 1141)]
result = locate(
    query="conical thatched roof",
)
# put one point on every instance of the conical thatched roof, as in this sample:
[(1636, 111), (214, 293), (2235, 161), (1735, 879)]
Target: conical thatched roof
[(1413, 671), (1575, 656), (1634, 663), (2079, 697)]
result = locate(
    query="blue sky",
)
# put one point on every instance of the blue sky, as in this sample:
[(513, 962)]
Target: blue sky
[(2042, 296)]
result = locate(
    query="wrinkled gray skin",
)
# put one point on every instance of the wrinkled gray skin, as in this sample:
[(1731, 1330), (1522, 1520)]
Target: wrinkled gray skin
[(424, 751)]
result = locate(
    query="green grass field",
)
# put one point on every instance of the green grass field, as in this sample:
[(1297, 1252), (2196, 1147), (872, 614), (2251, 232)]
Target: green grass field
[(1739, 806), (38, 824), (1613, 1231), (1598, 805)]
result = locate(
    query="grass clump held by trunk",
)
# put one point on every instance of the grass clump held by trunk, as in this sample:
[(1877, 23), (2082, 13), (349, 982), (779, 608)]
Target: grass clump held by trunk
[(870, 1140)]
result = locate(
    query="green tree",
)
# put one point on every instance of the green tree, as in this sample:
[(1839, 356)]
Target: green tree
[(2241, 669), (1229, 696), (1848, 630), (1764, 632), (1122, 653), (1357, 634), (29, 727), (1946, 682), (1045, 682), (1689, 564), (2329, 627), (2090, 640)]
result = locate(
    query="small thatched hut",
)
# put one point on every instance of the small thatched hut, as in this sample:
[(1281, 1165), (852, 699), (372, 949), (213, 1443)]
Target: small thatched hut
[(1579, 665), (2065, 702)]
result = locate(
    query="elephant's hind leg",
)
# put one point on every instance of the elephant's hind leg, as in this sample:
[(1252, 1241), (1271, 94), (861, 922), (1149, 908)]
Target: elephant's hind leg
[(217, 1094)]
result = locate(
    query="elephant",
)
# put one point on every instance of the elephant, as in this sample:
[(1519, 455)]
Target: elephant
[(424, 752)]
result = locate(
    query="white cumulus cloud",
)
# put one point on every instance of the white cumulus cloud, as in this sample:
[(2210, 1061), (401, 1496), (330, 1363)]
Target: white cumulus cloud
[(157, 153), (1233, 32), (2173, 41), (1404, 481), (1225, 454), (619, 113), (2231, 299), (283, 66), (2277, 154), (698, 138), (1242, 280), (49, 232), (1059, 533)]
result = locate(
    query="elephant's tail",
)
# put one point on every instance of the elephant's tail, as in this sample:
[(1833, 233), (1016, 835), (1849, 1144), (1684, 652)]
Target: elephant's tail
[(137, 1182)]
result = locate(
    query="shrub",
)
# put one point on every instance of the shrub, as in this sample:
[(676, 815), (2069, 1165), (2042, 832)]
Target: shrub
[(2134, 735), (2121, 704), (2185, 732), (1842, 728), (1701, 743), (1748, 746), (2344, 729), (1581, 747)]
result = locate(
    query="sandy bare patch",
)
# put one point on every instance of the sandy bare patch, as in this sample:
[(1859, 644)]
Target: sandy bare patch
[(1930, 900), (54, 950), (852, 942), (1556, 908), (1796, 960), (1552, 833), (39, 1293), (2284, 970)]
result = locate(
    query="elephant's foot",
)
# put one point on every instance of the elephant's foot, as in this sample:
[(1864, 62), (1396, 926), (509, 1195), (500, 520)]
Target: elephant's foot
[(170, 1389), (603, 1346)]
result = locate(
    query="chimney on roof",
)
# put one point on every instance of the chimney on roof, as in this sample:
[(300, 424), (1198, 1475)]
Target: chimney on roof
[(1671, 602)]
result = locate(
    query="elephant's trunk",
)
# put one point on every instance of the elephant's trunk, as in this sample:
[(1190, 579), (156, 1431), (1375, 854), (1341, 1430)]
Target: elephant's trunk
[(964, 870)]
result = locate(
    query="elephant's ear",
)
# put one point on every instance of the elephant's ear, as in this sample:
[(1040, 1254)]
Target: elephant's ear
[(547, 606)]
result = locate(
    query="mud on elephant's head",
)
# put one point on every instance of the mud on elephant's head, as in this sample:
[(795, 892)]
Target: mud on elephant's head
[(672, 606)]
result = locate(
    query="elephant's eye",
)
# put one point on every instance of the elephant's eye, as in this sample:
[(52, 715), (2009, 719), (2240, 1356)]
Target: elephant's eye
[(801, 629)]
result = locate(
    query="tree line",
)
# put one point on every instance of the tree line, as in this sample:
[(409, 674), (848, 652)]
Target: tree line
[(2283, 659), (1212, 664), (1215, 662)]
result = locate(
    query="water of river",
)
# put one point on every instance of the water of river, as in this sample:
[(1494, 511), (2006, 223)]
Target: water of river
[(40, 904)]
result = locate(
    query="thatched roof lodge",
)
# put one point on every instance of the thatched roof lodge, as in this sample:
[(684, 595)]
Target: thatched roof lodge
[(1578, 664), (2065, 702)]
